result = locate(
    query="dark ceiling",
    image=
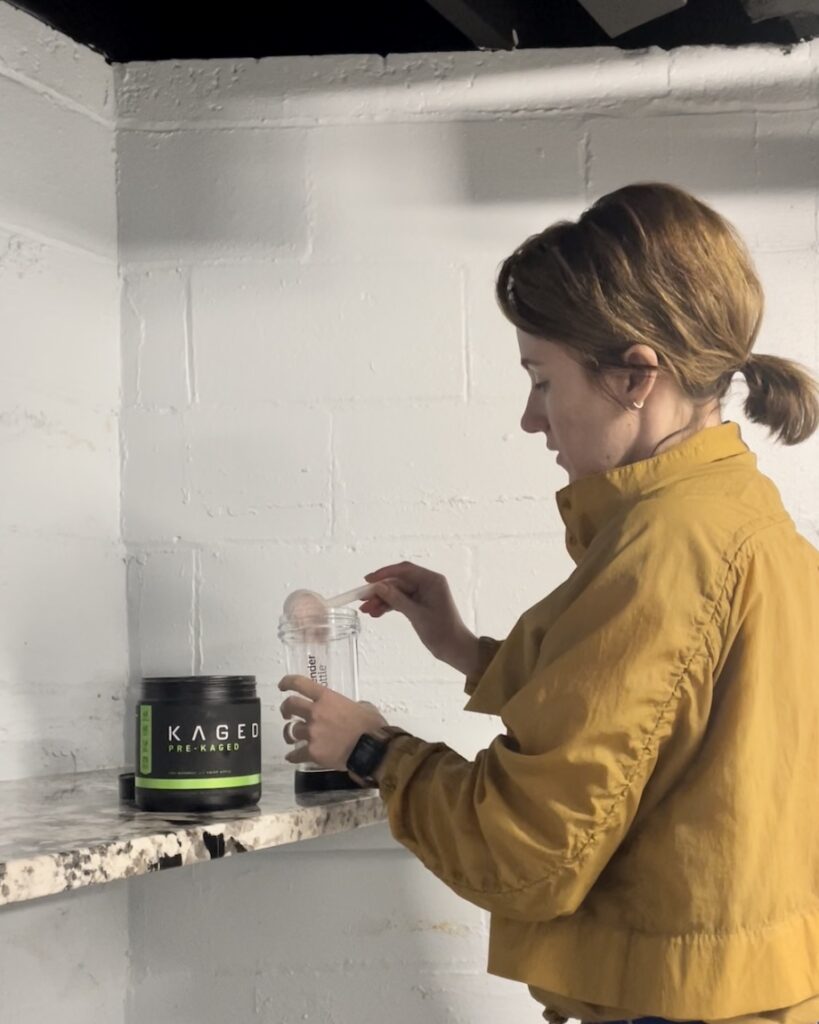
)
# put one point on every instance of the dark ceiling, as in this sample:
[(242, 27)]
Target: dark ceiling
[(124, 30)]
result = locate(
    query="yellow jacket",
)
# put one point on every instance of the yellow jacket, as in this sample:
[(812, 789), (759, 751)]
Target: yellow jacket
[(645, 833)]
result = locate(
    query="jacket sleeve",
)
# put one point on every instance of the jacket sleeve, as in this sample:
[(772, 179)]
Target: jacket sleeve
[(526, 828), (487, 649)]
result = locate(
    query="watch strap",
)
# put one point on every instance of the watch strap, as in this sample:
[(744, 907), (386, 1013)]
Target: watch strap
[(384, 734)]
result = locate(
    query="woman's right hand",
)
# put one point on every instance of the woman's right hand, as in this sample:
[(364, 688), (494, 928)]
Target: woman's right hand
[(424, 597)]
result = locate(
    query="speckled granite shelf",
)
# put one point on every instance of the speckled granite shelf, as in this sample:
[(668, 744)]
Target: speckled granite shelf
[(64, 832)]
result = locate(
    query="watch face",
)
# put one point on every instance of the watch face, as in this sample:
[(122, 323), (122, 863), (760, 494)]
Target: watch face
[(366, 756)]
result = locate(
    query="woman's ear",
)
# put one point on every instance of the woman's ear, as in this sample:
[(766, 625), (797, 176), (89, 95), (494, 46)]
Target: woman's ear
[(643, 364)]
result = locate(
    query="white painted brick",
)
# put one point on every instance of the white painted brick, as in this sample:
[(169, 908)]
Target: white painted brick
[(393, 943), (435, 712), (790, 325), (494, 358), (742, 77), (443, 995), (323, 332), (62, 726), (791, 468), (242, 591), (33, 49), (789, 329), (454, 86), (809, 529), (161, 604), (403, 995), (218, 473), (720, 161), (549, 80), (782, 208), (241, 91), (512, 575), (60, 183), (155, 477), (394, 212), (202, 194), (454, 995), (66, 956), (61, 462), (432, 703), (378, 911), (430, 192), (59, 321), (441, 470), (259, 472), (154, 339), (63, 663)]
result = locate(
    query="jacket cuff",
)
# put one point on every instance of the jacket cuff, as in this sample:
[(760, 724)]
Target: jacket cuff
[(487, 649), (399, 748)]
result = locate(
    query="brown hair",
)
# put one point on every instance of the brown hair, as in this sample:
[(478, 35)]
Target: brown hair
[(651, 264)]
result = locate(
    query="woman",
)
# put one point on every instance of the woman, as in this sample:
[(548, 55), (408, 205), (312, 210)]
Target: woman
[(645, 832)]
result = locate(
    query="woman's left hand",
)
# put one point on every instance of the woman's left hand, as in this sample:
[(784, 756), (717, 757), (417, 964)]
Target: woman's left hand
[(327, 724)]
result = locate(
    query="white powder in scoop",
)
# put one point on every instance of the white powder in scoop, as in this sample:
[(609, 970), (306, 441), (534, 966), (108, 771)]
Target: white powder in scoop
[(304, 604)]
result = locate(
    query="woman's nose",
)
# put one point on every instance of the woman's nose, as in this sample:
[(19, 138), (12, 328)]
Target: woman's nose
[(532, 422)]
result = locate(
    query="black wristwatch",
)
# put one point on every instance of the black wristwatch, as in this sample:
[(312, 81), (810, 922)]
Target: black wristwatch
[(369, 751)]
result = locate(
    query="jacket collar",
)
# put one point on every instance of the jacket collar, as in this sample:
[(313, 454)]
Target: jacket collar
[(588, 504)]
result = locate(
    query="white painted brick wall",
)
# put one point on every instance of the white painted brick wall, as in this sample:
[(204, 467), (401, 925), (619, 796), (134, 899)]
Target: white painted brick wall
[(66, 958), (319, 934), (63, 641), (69, 199), (168, 179), (62, 607), (433, 191), (315, 380), (372, 331), (316, 392)]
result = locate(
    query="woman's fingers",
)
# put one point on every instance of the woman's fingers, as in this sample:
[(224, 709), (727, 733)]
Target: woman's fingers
[(296, 707), (301, 684), (374, 606), (395, 597), (298, 755), (383, 572), (407, 575)]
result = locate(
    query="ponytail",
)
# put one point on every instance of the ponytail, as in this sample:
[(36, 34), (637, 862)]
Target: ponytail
[(783, 396)]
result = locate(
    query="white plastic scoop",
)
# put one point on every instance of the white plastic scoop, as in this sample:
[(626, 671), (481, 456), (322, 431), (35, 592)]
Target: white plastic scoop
[(305, 603)]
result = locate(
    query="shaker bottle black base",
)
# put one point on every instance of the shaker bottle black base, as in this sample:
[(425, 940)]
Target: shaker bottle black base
[(323, 781)]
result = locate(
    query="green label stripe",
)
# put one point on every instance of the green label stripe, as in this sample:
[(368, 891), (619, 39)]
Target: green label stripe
[(223, 782), (145, 739)]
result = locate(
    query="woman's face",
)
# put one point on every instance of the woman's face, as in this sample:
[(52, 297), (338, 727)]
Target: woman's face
[(590, 432)]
